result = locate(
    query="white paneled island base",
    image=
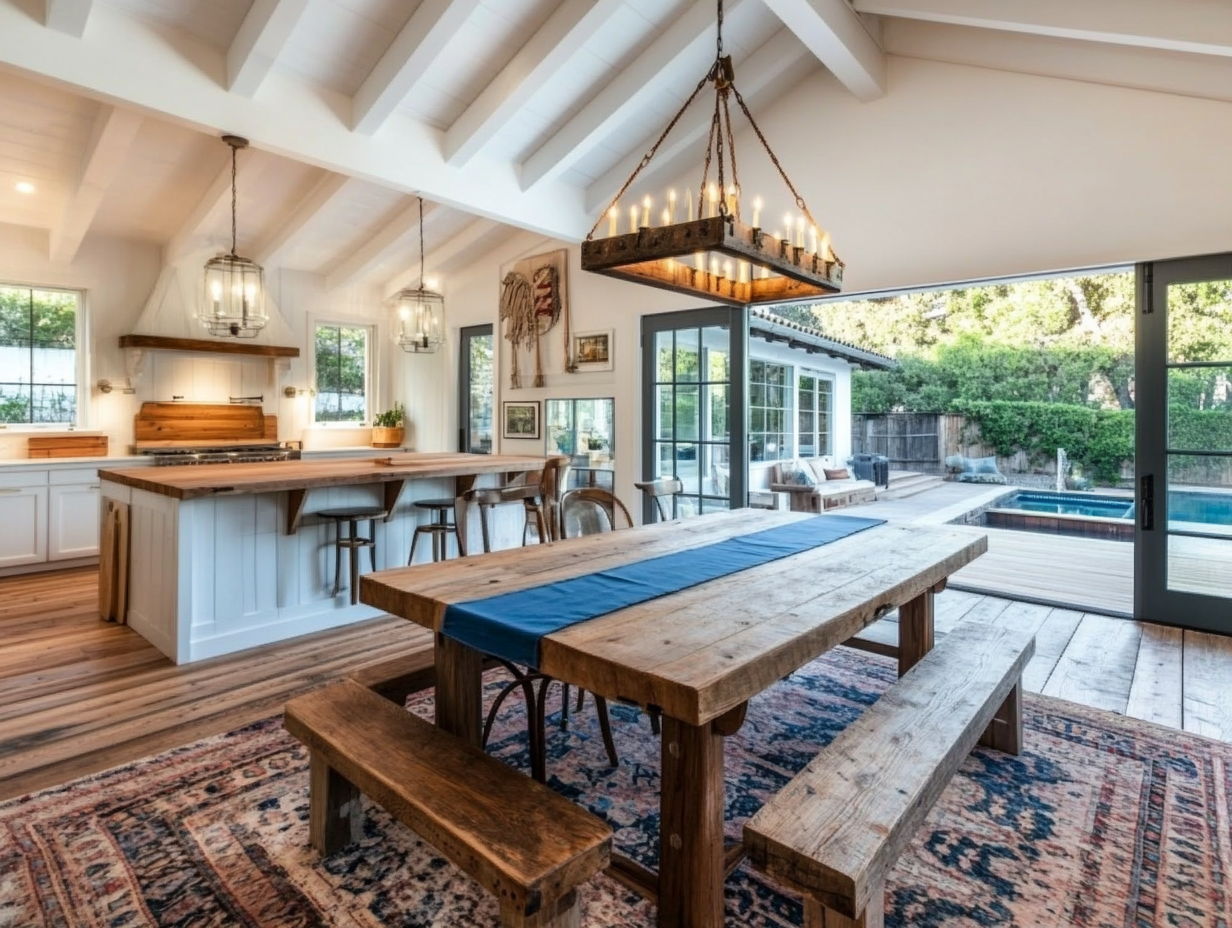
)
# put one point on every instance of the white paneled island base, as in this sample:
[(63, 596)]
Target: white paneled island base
[(216, 572)]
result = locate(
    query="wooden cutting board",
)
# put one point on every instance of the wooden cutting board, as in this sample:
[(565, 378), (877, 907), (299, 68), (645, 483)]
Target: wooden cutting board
[(172, 425), (67, 446)]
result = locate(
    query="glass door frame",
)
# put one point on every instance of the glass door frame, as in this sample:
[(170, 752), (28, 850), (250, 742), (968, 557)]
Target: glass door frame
[(1153, 600), (465, 334), (736, 320)]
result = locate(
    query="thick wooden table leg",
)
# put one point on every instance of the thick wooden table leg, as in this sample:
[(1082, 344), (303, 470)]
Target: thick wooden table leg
[(335, 818), (459, 690), (915, 631), (1004, 732), (691, 864), (566, 912)]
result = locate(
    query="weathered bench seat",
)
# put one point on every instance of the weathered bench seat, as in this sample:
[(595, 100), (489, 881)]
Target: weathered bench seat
[(835, 831), (525, 844)]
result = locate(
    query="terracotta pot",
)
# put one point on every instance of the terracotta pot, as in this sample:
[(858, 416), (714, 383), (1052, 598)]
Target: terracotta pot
[(388, 438)]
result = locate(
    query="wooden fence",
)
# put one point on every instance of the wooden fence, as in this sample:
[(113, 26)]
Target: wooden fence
[(922, 441)]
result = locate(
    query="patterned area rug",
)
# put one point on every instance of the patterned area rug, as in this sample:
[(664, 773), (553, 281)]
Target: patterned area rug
[(1101, 822)]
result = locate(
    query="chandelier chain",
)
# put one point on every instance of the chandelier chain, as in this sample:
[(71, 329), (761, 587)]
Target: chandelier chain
[(233, 176), (731, 145), (421, 245), (719, 38), (646, 158)]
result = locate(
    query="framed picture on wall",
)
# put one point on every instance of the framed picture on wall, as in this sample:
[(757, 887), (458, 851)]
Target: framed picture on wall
[(521, 420), (594, 351)]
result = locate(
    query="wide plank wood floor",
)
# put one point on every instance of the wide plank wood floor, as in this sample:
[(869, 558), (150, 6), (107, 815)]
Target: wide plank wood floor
[(78, 695)]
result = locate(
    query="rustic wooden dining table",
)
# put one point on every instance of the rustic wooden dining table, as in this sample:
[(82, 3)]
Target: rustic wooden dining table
[(697, 656)]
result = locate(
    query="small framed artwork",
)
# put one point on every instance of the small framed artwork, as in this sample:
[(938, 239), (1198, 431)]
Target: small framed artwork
[(522, 420), (594, 351)]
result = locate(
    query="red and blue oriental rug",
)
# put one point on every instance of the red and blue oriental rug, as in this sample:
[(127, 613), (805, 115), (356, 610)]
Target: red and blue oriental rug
[(1102, 822)]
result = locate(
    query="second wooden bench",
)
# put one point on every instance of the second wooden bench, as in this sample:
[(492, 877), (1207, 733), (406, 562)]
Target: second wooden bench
[(835, 831)]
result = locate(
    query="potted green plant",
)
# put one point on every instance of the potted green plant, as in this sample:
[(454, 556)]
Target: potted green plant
[(388, 430)]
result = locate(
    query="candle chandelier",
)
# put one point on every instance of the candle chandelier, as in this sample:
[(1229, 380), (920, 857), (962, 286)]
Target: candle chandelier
[(419, 314), (717, 256), (233, 301)]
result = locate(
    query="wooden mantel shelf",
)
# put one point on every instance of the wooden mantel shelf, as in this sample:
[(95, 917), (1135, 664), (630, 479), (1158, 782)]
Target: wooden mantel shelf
[(201, 344)]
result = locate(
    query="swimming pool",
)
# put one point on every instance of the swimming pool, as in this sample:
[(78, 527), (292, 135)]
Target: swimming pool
[(1098, 515)]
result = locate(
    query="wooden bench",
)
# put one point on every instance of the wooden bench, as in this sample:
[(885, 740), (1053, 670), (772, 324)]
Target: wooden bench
[(835, 831), (525, 844)]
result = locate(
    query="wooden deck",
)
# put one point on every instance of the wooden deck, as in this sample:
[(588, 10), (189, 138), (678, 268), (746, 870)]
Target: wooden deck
[(78, 695)]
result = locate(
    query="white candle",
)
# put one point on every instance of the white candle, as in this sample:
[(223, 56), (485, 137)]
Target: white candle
[(646, 204), (699, 260), (612, 216), (671, 206), (731, 200), (825, 247), (714, 201), (714, 266), (788, 222), (799, 231), (667, 217), (688, 200), (744, 272), (813, 240), (757, 204), (727, 269), (632, 218)]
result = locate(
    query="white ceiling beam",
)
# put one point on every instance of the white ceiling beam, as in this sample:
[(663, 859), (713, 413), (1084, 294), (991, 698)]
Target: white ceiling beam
[(770, 62), (68, 16), (261, 38), (441, 255), (1194, 26), (414, 50), (841, 41), (114, 131), (686, 46), (173, 76), (378, 246), (1205, 76), (329, 188), (216, 199), (572, 24)]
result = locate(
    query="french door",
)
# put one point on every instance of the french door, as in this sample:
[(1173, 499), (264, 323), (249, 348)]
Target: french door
[(1183, 558), (476, 388), (693, 377)]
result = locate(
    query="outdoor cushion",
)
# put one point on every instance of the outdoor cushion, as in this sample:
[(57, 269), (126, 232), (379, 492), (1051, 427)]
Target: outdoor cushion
[(797, 474), (839, 473)]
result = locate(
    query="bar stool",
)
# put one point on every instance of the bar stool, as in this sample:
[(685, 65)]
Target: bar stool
[(440, 528), (353, 541)]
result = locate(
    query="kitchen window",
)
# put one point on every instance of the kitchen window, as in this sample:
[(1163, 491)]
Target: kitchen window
[(343, 358), (770, 437), (815, 404), (39, 363)]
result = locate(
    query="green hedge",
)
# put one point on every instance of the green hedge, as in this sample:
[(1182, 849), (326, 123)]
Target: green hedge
[(1100, 441)]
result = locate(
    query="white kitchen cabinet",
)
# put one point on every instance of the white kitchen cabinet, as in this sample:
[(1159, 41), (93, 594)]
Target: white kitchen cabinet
[(73, 521), (23, 524)]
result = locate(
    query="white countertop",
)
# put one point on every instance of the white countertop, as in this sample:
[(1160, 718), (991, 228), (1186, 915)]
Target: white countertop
[(125, 460)]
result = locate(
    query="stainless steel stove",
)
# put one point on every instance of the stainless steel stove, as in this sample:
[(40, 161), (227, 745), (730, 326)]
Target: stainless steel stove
[(164, 457)]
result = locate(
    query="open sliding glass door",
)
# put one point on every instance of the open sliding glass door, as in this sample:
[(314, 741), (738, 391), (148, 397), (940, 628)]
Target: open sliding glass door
[(1183, 559), (693, 378)]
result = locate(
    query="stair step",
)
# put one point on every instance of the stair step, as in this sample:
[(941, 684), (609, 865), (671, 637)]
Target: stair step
[(918, 483)]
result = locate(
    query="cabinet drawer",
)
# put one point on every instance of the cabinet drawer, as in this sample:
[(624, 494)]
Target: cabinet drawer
[(23, 478), (75, 475)]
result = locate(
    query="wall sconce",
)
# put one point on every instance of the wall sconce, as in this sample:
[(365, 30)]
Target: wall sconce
[(106, 386), (292, 392)]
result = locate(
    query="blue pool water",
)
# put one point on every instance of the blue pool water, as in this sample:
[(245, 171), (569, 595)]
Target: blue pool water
[(1183, 505)]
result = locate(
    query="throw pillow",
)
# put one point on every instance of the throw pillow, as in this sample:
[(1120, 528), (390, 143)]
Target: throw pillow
[(839, 473), (796, 474)]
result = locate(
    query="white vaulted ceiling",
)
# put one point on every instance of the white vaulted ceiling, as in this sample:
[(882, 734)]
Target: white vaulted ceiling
[(523, 113)]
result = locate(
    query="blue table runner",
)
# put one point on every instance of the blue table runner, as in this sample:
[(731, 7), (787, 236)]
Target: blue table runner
[(510, 625)]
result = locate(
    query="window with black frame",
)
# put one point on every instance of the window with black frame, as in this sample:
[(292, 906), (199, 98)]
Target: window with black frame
[(38, 355), (585, 431)]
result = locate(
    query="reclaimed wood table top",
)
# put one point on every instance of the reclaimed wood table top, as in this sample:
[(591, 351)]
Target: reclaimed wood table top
[(703, 651), (276, 476)]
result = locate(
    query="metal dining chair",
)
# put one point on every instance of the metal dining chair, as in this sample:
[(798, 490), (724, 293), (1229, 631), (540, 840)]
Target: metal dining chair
[(661, 491)]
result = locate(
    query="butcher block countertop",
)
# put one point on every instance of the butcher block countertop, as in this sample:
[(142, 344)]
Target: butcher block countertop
[(191, 482)]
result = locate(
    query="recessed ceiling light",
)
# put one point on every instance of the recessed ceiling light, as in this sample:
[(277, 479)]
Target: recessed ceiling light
[(24, 186)]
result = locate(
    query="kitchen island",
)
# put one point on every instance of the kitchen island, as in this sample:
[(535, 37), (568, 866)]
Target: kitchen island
[(223, 557)]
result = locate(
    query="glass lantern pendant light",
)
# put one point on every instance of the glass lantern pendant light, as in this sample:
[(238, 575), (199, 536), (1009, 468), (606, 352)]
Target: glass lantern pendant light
[(419, 314), (233, 301)]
